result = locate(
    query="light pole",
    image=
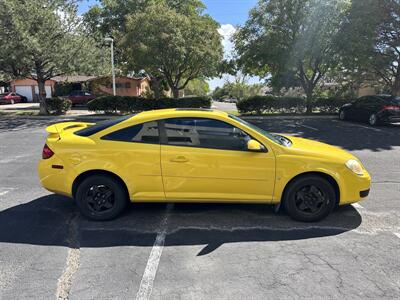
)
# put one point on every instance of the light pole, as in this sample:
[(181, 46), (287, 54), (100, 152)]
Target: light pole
[(111, 40)]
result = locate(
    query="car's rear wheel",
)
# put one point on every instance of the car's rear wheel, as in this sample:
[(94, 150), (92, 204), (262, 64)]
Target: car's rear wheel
[(373, 120), (342, 115), (309, 198), (101, 197)]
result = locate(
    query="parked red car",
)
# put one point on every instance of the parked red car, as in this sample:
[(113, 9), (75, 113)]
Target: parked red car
[(10, 98), (80, 97)]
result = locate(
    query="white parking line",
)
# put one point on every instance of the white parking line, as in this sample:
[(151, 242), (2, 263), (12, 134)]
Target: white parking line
[(14, 158), (309, 127), (397, 234), (3, 193), (357, 125), (64, 283), (146, 284), (356, 205)]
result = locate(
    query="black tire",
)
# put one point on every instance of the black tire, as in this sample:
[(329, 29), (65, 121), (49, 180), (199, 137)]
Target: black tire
[(101, 198), (373, 120), (309, 198), (342, 115)]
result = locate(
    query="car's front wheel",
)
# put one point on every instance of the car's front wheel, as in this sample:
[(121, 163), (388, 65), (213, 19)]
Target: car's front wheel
[(342, 115), (309, 198), (101, 198)]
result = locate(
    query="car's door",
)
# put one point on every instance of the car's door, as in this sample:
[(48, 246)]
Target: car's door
[(80, 96), (375, 104), (15, 98), (207, 159), (72, 97), (136, 151), (87, 97), (366, 108), (354, 112)]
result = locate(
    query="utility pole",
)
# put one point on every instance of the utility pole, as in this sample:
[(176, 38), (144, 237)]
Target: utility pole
[(111, 40)]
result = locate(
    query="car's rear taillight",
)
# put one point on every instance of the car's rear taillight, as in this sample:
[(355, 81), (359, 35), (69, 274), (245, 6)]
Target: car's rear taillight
[(47, 152), (391, 107)]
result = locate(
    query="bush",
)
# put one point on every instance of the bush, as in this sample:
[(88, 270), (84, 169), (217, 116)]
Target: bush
[(128, 104), (330, 105), (275, 104), (58, 105)]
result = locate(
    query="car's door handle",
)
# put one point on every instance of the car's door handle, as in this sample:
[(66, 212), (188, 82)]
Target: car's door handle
[(179, 159)]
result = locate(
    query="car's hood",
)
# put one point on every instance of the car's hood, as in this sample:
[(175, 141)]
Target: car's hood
[(309, 147)]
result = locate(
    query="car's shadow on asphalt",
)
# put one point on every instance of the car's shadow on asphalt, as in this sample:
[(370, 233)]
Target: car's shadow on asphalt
[(54, 220)]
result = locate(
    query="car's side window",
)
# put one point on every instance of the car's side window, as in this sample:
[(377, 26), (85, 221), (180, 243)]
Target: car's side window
[(140, 133), (377, 101), (360, 101), (205, 133)]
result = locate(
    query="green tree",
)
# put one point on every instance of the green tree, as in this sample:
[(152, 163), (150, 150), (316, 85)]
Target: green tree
[(197, 87), (108, 18), (293, 40), (238, 88), (43, 39), (180, 47), (370, 42)]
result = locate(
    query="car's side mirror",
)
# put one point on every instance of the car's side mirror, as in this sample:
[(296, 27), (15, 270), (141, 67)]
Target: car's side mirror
[(253, 145)]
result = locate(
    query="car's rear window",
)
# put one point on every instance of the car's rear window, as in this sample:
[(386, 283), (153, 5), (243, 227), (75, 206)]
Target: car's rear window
[(391, 99), (88, 131), (396, 100)]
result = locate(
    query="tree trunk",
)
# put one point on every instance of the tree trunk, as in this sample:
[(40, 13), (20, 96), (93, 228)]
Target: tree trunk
[(42, 96), (175, 92), (309, 99), (155, 85), (396, 84)]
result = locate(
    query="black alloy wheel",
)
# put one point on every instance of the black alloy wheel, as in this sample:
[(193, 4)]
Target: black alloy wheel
[(309, 198), (101, 197)]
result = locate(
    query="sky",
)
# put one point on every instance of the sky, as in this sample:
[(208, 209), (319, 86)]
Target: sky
[(229, 13)]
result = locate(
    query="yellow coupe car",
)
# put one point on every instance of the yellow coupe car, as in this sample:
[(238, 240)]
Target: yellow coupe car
[(195, 155)]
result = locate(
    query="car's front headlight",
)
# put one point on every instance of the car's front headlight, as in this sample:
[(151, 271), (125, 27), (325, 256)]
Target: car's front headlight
[(355, 166)]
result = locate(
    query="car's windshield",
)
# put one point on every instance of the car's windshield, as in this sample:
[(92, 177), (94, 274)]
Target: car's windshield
[(274, 137)]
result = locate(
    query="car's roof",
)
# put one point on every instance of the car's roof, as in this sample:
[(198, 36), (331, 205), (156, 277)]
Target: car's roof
[(179, 112), (382, 96)]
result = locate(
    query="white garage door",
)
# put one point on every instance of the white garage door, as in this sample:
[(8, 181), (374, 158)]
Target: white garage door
[(24, 90), (48, 91)]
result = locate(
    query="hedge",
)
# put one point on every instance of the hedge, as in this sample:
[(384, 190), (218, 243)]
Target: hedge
[(128, 104), (58, 105), (275, 104)]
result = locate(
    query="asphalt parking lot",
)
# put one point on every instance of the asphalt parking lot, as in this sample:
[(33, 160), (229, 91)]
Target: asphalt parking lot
[(200, 251)]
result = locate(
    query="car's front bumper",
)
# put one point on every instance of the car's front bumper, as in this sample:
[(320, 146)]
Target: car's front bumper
[(354, 187)]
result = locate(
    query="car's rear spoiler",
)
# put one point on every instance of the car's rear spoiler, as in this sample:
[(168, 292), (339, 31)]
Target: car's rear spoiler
[(59, 128)]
